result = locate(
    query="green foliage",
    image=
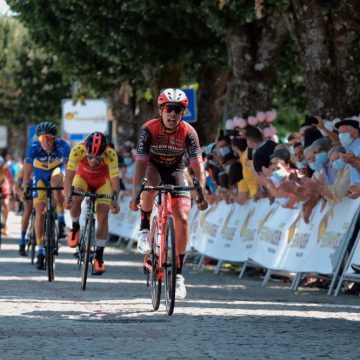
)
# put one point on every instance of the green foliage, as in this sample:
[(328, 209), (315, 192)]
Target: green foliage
[(289, 93), (31, 87)]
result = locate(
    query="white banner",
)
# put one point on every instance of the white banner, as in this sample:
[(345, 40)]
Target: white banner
[(313, 247), (272, 238)]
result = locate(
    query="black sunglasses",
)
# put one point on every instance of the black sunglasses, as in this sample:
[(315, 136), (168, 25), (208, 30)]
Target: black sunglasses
[(171, 108)]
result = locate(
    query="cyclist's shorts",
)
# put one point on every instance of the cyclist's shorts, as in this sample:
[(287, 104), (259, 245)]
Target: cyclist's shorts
[(175, 177), (99, 186), (5, 189), (43, 178)]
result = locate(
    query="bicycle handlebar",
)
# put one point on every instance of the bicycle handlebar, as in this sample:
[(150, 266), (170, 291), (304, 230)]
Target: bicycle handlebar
[(89, 194), (45, 188), (170, 188)]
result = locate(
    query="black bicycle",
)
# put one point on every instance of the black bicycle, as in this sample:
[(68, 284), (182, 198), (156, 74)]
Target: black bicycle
[(87, 246), (30, 243), (51, 234)]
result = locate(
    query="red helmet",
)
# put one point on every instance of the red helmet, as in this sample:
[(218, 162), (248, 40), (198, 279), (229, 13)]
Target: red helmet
[(96, 144), (176, 96)]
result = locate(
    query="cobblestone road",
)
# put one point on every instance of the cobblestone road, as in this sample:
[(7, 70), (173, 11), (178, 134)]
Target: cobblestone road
[(222, 318)]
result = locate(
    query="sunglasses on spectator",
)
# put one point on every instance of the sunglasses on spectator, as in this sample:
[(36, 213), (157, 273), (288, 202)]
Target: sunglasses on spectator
[(96, 158), (171, 108), (46, 137)]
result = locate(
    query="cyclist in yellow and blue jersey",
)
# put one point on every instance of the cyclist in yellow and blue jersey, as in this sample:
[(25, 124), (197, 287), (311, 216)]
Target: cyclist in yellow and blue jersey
[(46, 158)]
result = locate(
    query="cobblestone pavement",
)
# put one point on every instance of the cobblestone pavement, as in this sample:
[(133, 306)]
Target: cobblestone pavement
[(222, 318)]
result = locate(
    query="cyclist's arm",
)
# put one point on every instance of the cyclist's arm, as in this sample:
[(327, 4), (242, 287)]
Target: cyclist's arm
[(28, 169), (69, 177), (142, 157)]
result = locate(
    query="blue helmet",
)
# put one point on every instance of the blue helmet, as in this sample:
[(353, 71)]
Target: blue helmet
[(46, 127)]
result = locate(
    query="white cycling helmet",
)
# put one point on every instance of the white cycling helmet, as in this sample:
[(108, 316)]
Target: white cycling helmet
[(171, 95)]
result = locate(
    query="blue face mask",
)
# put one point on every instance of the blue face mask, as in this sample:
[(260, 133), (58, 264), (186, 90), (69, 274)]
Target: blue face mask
[(338, 164), (301, 164), (279, 175), (128, 160), (319, 162), (321, 158), (345, 139), (224, 151)]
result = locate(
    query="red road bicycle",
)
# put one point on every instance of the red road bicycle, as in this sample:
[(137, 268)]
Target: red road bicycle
[(161, 263)]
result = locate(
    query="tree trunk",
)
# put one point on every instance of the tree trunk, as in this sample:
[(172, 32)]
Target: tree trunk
[(328, 42), (210, 100), (252, 51)]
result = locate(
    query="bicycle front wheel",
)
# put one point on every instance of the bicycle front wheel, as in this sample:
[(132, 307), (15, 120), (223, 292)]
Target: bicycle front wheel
[(50, 243), (155, 283), (170, 266), (88, 237)]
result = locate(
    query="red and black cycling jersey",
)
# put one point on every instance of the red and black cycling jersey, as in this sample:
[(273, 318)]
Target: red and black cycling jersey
[(166, 150)]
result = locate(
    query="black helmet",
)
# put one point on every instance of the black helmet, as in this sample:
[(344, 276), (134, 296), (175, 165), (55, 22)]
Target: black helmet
[(46, 127), (96, 144)]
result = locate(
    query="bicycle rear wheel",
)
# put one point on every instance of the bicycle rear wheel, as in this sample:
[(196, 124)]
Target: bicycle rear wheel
[(88, 237), (50, 243), (155, 284), (170, 266)]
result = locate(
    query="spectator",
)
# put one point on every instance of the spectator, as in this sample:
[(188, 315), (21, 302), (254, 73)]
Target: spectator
[(349, 138), (262, 148), (247, 187), (128, 169)]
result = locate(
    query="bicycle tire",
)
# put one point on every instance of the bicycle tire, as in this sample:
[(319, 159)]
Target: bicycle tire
[(170, 266), (88, 236), (155, 284), (49, 247)]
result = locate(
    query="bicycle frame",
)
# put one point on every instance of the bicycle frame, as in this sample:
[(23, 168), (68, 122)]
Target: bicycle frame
[(164, 211)]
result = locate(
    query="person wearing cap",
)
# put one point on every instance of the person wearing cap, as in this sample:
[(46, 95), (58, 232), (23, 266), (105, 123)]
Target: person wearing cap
[(350, 140)]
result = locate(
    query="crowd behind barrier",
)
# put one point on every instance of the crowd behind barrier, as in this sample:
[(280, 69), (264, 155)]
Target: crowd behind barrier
[(264, 233)]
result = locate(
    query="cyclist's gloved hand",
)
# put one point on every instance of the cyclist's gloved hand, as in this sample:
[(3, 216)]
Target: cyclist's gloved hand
[(202, 205), (25, 195), (115, 208)]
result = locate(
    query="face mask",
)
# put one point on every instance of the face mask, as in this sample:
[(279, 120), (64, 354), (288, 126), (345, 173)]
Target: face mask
[(321, 158), (345, 139), (224, 151), (212, 162), (301, 164), (338, 164), (279, 174), (128, 160), (316, 166)]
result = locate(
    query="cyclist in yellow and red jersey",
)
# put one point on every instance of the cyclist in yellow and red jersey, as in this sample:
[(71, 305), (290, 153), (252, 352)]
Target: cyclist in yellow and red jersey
[(92, 166), (6, 181), (162, 144)]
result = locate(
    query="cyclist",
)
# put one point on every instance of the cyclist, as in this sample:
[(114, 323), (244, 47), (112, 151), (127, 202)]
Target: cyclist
[(5, 188), (93, 166), (28, 205), (46, 159), (162, 143)]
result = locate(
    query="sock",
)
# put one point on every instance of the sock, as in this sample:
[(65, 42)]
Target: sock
[(99, 252), (181, 260), (75, 223), (60, 217), (22, 238), (145, 220), (40, 250)]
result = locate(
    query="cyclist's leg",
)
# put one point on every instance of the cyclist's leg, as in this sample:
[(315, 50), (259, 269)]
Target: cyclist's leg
[(39, 200), (102, 214), (6, 191), (154, 179), (24, 225), (79, 185), (57, 179)]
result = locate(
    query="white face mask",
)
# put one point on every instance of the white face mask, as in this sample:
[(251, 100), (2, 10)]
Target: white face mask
[(279, 174)]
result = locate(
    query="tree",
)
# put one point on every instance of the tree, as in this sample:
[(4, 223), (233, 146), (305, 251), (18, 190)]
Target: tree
[(31, 87)]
